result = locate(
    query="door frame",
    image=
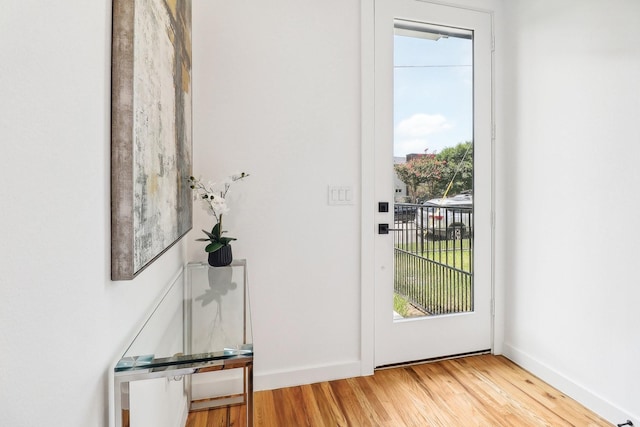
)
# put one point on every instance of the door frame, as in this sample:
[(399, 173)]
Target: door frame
[(368, 201)]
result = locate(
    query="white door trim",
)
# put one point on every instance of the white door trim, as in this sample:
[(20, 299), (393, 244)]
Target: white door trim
[(367, 190)]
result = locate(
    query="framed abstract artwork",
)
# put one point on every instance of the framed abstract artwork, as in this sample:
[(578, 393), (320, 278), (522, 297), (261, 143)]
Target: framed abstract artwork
[(151, 201)]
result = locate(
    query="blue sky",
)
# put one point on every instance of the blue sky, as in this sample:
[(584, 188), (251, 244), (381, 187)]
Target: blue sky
[(433, 94)]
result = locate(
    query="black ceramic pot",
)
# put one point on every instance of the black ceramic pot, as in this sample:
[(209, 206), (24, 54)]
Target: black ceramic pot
[(221, 257)]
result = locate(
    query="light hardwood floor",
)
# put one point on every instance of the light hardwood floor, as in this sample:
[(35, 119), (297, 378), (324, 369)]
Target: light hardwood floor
[(472, 391)]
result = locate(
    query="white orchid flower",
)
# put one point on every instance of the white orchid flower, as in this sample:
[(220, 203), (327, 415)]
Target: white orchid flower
[(218, 205)]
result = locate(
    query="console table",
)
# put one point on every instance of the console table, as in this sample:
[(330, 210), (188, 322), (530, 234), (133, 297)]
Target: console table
[(202, 324)]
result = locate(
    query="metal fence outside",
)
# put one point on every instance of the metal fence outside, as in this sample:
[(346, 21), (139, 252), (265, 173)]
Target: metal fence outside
[(433, 259)]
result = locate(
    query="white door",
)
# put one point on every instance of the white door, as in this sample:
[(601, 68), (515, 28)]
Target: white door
[(458, 328)]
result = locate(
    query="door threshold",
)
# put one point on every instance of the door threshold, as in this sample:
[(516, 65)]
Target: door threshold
[(432, 360)]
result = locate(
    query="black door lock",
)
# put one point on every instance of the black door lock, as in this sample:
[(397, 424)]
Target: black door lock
[(383, 228)]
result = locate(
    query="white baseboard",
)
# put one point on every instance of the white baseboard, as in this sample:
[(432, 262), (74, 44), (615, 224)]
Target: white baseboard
[(306, 375), (570, 387)]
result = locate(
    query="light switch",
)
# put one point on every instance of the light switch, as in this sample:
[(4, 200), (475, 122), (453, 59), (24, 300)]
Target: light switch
[(340, 195)]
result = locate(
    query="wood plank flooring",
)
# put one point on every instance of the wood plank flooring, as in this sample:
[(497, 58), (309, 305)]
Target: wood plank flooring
[(473, 391)]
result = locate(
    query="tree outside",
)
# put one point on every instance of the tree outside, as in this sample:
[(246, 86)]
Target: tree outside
[(458, 169), (432, 175), (420, 173)]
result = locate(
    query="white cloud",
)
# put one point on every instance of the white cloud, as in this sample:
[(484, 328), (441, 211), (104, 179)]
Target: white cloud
[(421, 125), (411, 134)]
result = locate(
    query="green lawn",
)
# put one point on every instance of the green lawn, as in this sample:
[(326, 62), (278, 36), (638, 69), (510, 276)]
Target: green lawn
[(400, 305), (454, 253), (435, 286)]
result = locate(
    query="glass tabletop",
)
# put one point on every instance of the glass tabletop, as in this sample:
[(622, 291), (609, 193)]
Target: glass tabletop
[(204, 316)]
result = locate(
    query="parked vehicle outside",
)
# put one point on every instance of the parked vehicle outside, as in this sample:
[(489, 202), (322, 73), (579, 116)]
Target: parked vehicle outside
[(446, 218), (404, 212)]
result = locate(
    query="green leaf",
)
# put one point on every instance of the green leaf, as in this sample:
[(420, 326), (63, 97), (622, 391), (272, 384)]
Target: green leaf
[(212, 247), (211, 236)]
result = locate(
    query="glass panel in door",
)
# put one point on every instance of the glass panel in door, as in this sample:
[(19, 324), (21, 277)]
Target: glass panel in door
[(433, 164)]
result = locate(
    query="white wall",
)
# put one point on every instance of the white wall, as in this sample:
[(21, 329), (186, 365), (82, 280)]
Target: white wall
[(62, 321), (569, 198), (277, 95)]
